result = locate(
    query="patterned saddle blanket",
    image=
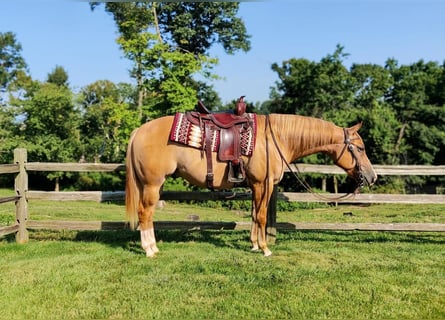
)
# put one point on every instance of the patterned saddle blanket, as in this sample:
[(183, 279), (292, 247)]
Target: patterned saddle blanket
[(192, 134)]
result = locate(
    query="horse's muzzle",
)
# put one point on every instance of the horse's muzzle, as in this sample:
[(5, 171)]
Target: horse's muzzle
[(367, 178)]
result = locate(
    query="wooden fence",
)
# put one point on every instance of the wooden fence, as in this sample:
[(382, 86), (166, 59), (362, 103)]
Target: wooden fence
[(20, 167)]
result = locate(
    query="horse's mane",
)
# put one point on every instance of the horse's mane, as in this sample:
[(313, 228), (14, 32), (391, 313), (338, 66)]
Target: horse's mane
[(304, 133)]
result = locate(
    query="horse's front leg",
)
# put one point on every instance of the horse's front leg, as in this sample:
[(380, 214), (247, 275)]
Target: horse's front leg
[(261, 196), (146, 210), (254, 229)]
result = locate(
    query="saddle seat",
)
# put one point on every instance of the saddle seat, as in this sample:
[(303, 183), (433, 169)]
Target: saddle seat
[(222, 120), (230, 125)]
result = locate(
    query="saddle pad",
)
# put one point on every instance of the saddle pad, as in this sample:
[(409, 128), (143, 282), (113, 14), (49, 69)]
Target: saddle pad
[(184, 132)]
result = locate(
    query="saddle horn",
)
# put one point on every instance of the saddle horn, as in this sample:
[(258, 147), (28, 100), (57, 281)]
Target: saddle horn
[(240, 107)]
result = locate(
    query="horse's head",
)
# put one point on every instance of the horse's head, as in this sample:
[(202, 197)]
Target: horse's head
[(350, 155)]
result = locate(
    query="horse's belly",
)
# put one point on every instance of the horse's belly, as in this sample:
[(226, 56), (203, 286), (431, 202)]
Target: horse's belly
[(192, 166)]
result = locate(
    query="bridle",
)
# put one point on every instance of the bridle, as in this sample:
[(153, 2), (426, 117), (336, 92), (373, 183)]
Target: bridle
[(348, 145), (353, 148)]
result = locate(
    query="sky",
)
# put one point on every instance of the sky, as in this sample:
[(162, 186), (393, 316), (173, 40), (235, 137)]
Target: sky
[(68, 34)]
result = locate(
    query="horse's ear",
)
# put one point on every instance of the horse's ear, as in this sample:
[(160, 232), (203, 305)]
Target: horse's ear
[(356, 127)]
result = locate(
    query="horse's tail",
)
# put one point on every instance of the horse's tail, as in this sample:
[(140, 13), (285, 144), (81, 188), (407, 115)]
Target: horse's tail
[(132, 191)]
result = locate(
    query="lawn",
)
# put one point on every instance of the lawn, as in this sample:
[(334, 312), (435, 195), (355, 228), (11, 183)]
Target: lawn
[(211, 274), (88, 210)]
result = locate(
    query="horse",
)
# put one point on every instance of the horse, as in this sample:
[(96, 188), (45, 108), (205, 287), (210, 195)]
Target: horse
[(280, 140)]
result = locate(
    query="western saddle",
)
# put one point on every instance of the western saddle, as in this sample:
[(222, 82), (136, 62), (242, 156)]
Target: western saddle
[(230, 125)]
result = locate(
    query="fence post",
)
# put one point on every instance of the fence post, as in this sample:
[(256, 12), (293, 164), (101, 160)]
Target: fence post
[(271, 226), (21, 187)]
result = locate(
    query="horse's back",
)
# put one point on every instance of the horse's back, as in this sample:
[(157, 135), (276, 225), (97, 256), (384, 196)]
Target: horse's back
[(150, 148), (152, 131)]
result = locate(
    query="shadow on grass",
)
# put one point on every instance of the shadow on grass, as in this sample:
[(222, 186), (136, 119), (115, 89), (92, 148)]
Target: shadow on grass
[(131, 239), (236, 239), (362, 236)]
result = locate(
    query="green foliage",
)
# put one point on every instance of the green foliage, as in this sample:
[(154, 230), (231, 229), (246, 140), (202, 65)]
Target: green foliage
[(13, 74), (98, 181), (195, 27), (50, 124), (396, 185), (107, 122), (46, 121), (9, 137), (168, 44), (402, 107), (208, 96), (12, 64), (419, 108), (283, 206), (178, 87), (176, 184), (58, 76), (310, 88)]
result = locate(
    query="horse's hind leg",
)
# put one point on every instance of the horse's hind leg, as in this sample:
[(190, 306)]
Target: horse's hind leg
[(146, 210)]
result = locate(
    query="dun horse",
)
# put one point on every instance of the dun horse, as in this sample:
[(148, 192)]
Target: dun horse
[(280, 139)]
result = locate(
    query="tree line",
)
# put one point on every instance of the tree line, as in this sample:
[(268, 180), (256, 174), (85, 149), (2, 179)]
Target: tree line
[(402, 106)]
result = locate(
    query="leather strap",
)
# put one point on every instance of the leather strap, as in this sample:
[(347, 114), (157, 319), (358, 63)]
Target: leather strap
[(208, 150)]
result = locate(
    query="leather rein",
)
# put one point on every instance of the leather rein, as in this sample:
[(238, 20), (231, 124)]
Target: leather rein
[(348, 146)]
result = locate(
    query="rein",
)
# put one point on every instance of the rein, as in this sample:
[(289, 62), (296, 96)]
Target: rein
[(297, 175)]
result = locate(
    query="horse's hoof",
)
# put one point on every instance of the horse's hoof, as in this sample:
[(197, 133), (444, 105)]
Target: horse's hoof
[(155, 249), (267, 253), (150, 253)]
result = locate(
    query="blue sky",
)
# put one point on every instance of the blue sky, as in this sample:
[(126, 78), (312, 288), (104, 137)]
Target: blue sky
[(68, 34)]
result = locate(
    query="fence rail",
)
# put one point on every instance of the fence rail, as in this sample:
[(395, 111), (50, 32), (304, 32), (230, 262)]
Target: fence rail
[(243, 225), (74, 167), (20, 167), (101, 196), (9, 168), (382, 170)]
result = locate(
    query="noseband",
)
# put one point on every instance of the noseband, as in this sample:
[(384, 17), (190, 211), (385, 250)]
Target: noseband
[(353, 149)]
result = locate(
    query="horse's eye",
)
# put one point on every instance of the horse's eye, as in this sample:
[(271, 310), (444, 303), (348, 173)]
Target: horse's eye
[(360, 149)]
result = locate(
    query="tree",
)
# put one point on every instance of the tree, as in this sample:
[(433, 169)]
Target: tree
[(402, 107), (13, 78), (195, 27), (208, 96), (107, 121), (371, 85), (48, 123), (312, 88), (12, 64), (292, 91), (416, 99), (58, 76), (169, 43)]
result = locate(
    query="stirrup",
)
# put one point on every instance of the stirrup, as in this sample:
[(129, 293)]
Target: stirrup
[(235, 178)]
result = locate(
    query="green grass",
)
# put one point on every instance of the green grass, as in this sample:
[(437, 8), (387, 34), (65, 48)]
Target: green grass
[(213, 275), (88, 210)]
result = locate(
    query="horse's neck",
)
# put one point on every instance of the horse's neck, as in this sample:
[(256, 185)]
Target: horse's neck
[(303, 136)]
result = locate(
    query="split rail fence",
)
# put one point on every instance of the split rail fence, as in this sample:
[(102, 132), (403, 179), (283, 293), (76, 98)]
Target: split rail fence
[(21, 167)]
